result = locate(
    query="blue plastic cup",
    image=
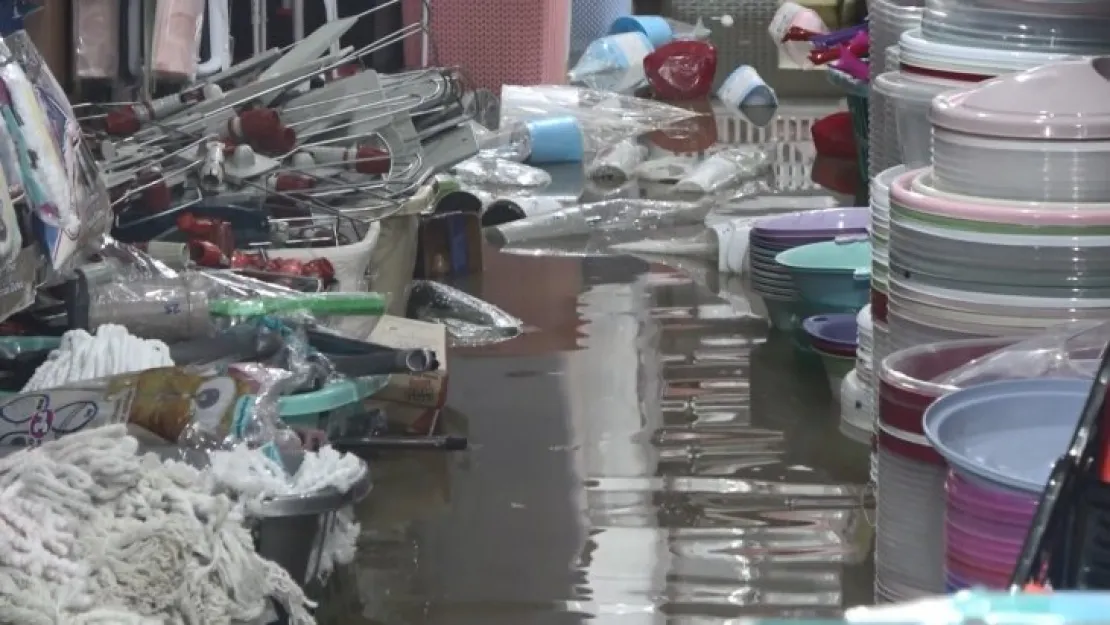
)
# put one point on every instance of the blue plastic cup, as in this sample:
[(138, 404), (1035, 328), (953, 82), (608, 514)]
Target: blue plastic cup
[(657, 29), (555, 140)]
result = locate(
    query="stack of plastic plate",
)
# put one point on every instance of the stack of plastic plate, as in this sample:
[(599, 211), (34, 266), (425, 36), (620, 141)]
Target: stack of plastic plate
[(1001, 440), (927, 69), (909, 554), (879, 226), (773, 235), (834, 338), (984, 530), (888, 20), (1071, 26), (963, 267), (880, 245), (855, 421), (1038, 136)]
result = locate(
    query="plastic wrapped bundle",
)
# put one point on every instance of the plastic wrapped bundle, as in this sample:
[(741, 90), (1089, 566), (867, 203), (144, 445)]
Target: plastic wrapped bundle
[(176, 35), (96, 39)]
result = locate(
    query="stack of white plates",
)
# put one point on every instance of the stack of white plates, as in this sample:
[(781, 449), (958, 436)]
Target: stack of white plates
[(880, 225), (966, 267), (909, 545)]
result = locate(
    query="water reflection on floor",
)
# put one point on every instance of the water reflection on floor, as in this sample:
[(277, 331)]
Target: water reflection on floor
[(645, 454)]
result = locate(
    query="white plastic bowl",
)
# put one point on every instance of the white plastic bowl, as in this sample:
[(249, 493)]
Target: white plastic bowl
[(915, 191), (1023, 170), (972, 62)]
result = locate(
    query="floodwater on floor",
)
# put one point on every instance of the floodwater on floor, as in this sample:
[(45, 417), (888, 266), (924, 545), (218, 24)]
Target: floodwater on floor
[(647, 452)]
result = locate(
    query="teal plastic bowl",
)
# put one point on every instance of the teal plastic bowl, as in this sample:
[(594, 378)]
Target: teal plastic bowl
[(327, 409), (830, 276)]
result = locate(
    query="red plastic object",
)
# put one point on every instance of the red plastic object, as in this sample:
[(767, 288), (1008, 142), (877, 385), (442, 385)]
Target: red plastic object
[(255, 125), (833, 136), (195, 226), (206, 254), (121, 122), (681, 70), (287, 266), (837, 174), (284, 183), (858, 47), (797, 33), (155, 198), (347, 69), (247, 260), (371, 160), (319, 268)]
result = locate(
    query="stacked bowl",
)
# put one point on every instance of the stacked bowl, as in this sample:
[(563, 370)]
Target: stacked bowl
[(909, 553), (888, 19), (1009, 232), (929, 68), (774, 235), (964, 42), (1001, 440), (865, 372), (834, 338)]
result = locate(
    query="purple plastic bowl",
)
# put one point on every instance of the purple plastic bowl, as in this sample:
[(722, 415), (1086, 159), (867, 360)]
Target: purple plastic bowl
[(965, 546), (828, 222), (838, 333), (974, 497)]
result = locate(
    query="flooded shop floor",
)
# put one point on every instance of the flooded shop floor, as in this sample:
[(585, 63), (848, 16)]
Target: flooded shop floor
[(645, 453)]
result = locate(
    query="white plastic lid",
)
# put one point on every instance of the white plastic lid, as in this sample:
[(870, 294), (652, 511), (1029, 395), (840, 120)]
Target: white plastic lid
[(1063, 101), (977, 63)]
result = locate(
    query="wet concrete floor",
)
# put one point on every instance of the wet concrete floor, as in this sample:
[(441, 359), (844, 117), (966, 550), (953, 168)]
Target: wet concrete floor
[(646, 453)]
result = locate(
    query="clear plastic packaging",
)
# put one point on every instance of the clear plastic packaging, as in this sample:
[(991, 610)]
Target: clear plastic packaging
[(724, 169), (469, 320), (605, 117), (609, 215), (498, 173), (1074, 27), (96, 39), (616, 165), (613, 63), (177, 25), (61, 180), (1069, 350)]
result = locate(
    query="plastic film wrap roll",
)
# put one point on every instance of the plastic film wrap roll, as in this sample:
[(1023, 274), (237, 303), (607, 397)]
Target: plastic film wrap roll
[(176, 36), (96, 39)]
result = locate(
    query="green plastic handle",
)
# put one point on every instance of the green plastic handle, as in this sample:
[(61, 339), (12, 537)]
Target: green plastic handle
[(320, 304)]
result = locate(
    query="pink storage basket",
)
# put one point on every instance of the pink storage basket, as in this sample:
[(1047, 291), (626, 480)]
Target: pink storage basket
[(496, 42)]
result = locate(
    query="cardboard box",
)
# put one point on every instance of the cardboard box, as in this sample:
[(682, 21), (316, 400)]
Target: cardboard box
[(428, 390)]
